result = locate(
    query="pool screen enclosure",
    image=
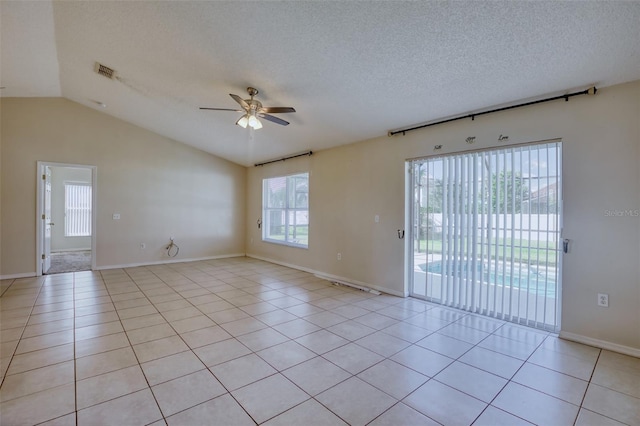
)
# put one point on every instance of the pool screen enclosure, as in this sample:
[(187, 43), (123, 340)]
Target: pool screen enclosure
[(485, 232)]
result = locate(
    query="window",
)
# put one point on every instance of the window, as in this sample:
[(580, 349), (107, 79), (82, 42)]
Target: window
[(77, 209), (285, 210)]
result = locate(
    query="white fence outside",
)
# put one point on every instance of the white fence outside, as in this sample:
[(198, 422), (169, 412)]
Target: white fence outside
[(519, 226)]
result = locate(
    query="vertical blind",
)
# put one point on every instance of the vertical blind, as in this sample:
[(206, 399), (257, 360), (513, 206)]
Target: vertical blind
[(77, 203), (486, 229)]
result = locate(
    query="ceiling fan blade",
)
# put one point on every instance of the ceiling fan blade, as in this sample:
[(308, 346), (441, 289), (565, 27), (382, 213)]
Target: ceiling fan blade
[(273, 119), (222, 109), (277, 110), (239, 100)]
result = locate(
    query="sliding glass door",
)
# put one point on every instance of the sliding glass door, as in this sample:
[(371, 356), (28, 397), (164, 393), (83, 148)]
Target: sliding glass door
[(485, 232)]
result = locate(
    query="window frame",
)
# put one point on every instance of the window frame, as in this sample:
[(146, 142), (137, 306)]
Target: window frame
[(286, 211)]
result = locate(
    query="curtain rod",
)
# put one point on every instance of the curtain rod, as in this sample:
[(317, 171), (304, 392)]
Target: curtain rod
[(589, 91), (309, 153)]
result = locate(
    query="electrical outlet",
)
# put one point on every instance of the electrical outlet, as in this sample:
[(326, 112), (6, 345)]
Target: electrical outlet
[(339, 256), (143, 246), (376, 218), (603, 300)]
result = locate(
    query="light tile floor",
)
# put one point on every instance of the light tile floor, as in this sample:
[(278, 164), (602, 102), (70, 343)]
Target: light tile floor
[(240, 341)]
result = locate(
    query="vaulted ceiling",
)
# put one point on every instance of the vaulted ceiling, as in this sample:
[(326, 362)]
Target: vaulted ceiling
[(352, 69)]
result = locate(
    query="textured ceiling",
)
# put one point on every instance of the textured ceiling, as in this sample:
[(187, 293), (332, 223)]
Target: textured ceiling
[(353, 70)]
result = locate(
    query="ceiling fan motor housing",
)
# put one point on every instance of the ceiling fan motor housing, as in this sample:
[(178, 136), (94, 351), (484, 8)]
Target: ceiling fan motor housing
[(253, 104)]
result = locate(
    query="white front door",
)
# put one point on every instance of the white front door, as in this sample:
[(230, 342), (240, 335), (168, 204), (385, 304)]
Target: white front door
[(46, 219)]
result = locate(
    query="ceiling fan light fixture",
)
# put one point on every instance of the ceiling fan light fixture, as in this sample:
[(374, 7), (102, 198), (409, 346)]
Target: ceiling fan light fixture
[(254, 122), (244, 120)]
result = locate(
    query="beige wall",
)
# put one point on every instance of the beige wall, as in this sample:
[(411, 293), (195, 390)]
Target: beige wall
[(163, 188), (601, 156), (160, 187), (60, 175)]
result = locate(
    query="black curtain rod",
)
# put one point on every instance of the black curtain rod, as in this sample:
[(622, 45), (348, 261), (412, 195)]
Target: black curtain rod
[(589, 91), (284, 158)]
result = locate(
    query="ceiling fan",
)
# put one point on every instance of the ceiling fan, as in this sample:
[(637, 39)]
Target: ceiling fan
[(254, 109)]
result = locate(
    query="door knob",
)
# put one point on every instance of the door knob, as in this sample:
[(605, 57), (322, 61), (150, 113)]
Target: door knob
[(51, 223)]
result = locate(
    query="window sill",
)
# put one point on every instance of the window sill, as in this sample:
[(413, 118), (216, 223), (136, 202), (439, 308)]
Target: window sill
[(285, 243)]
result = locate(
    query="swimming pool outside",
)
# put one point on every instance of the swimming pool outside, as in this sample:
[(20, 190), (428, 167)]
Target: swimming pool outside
[(523, 277)]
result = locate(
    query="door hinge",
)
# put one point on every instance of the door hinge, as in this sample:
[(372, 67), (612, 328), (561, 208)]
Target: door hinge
[(44, 177), (43, 257), (43, 216)]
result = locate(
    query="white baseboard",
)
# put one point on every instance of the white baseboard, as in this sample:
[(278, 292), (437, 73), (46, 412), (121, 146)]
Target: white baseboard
[(14, 276), (614, 347), (162, 262), (330, 277), (71, 250)]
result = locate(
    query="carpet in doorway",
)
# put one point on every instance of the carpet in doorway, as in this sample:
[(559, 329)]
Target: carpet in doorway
[(70, 261)]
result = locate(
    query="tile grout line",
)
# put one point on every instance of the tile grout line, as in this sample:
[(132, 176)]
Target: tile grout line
[(283, 278), (457, 360), (489, 404), (12, 356), (75, 368), (133, 350), (189, 349), (352, 375), (106, 351), (595, 365), (222, 384), (7, 287), (277, 372)]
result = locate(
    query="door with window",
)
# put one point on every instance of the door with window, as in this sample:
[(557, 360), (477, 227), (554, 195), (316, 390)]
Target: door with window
[(485, 234)]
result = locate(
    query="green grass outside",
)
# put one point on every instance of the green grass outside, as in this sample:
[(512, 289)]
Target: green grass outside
[(525, 251), (301, 235)]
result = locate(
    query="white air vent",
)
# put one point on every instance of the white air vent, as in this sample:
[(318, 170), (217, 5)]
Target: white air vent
[(105, 71)]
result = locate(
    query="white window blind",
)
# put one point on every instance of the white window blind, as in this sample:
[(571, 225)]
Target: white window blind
[(285, 203), (486, 232), (77, 206)]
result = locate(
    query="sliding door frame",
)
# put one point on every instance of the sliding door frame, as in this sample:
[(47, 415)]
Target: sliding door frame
[(412, 207)]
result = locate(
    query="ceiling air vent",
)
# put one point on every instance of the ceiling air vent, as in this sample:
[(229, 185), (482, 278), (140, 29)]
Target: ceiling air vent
[(105, 71)]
